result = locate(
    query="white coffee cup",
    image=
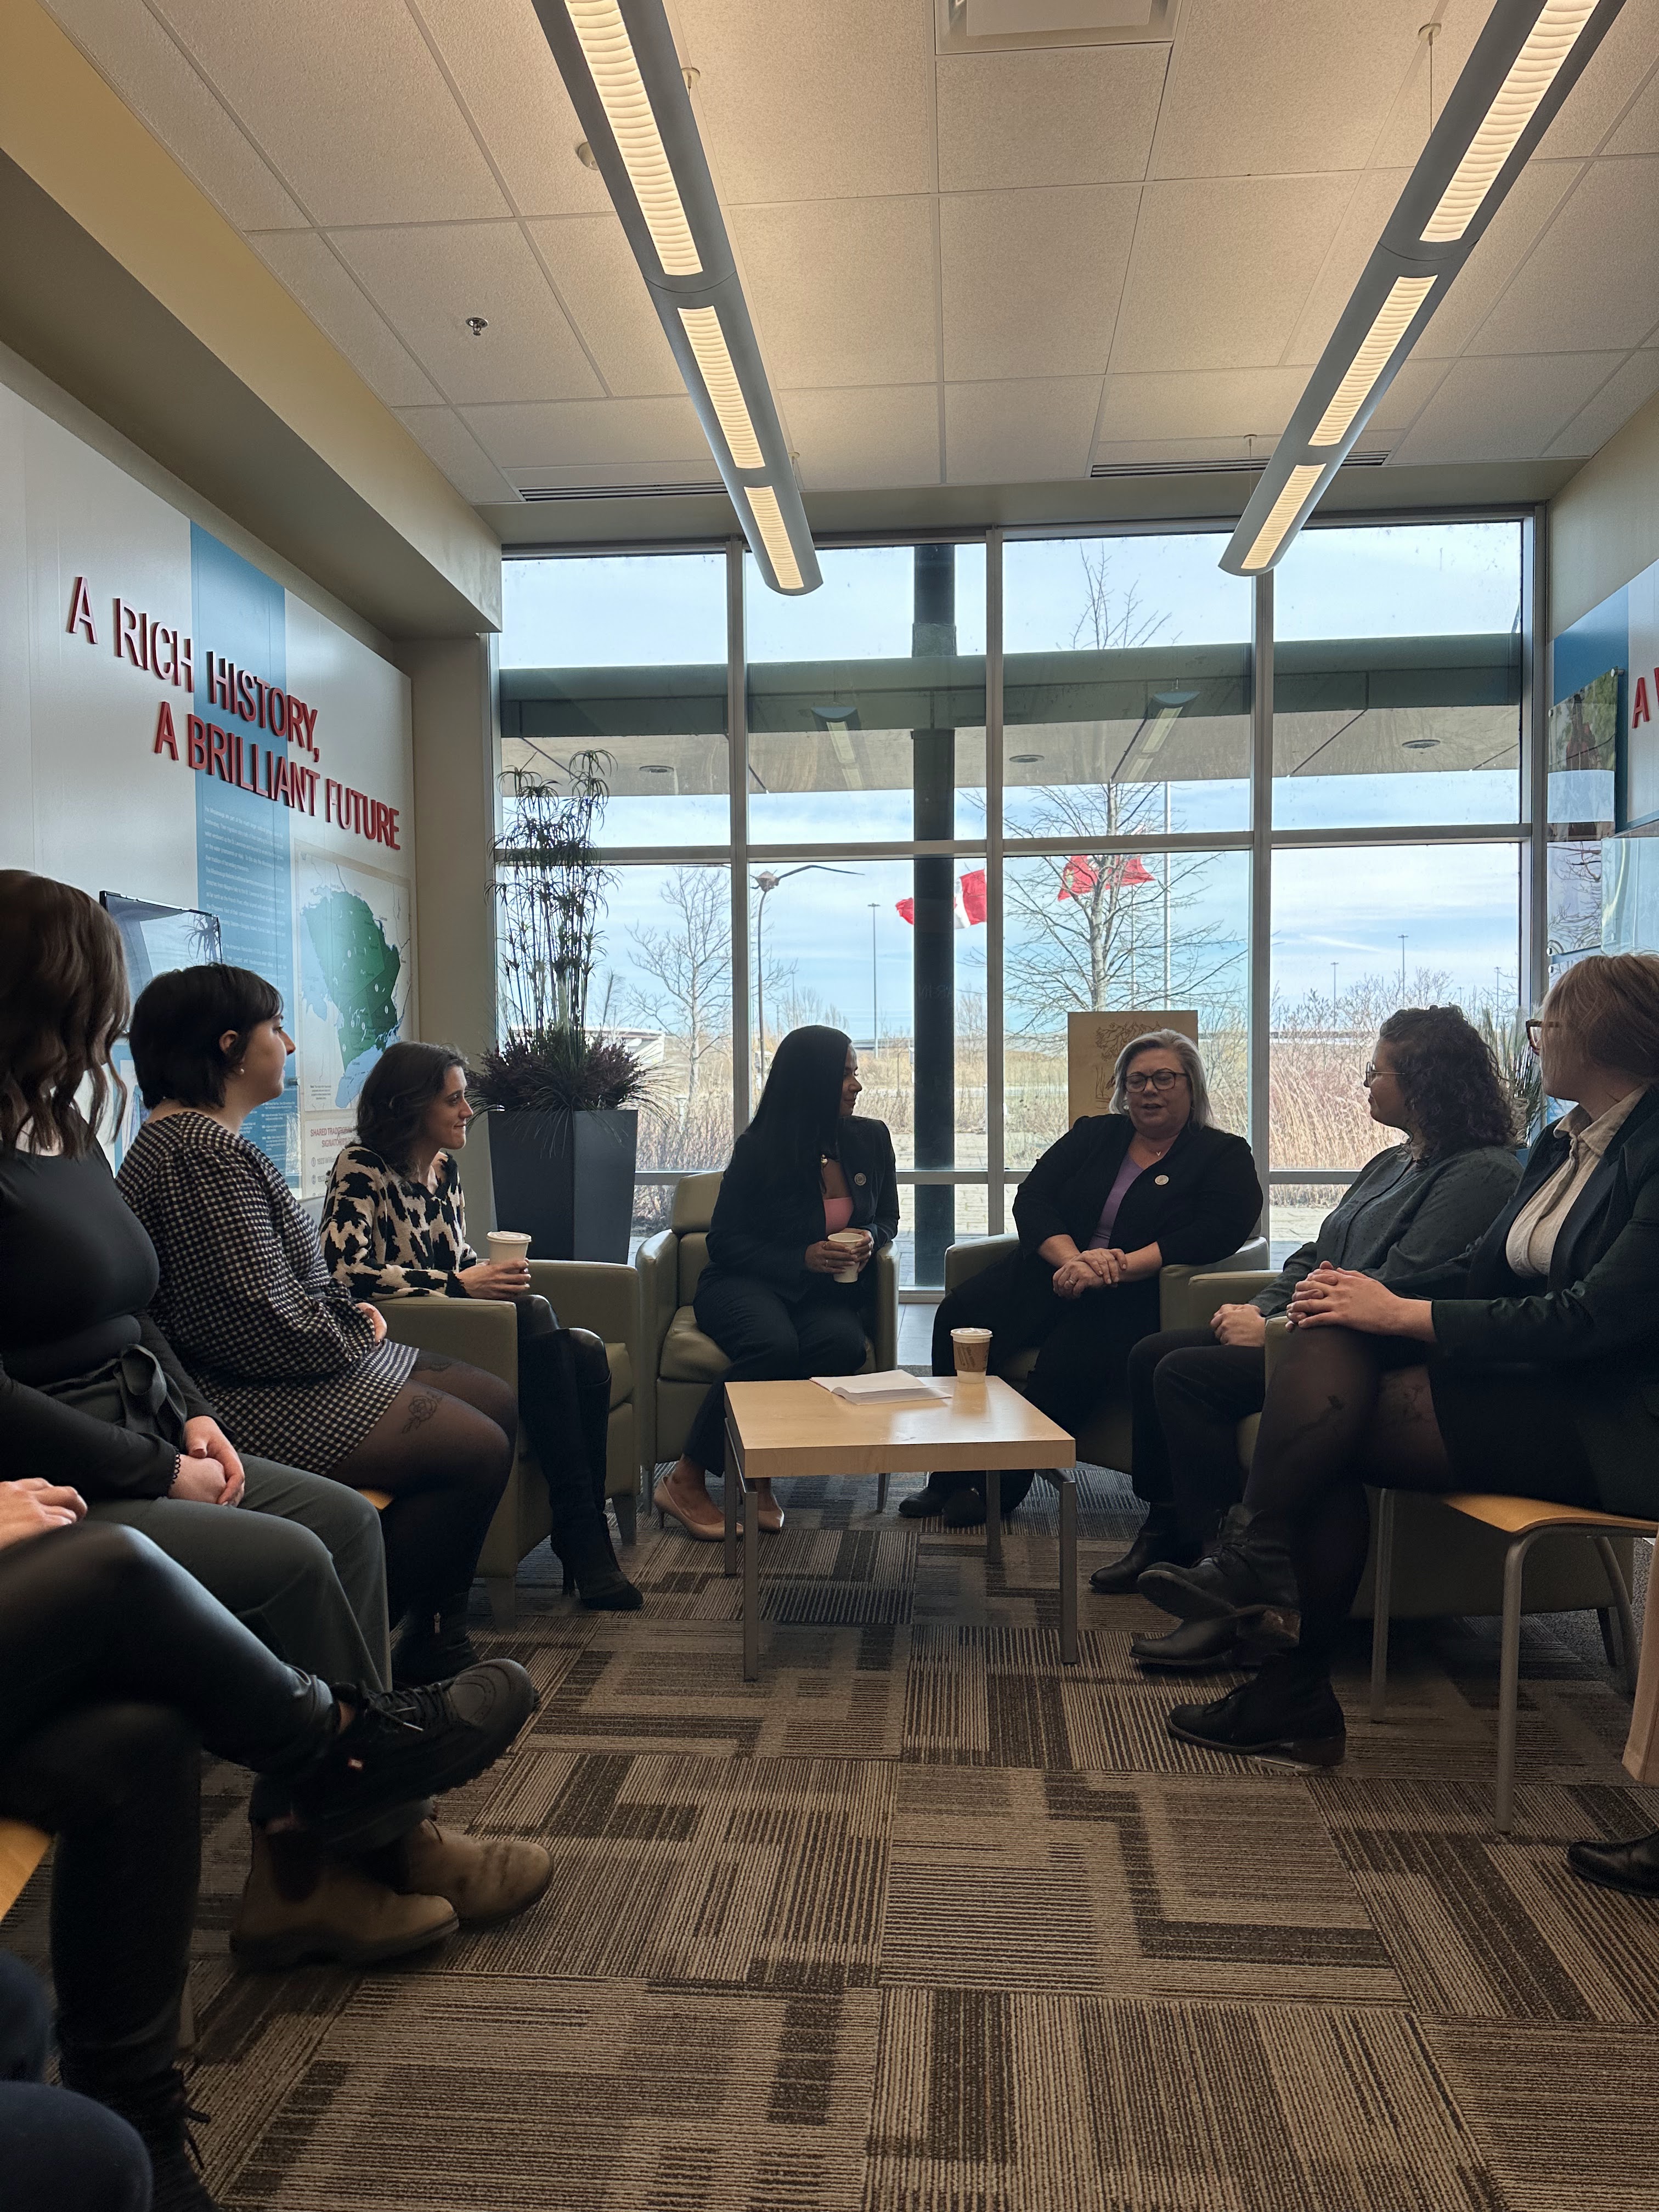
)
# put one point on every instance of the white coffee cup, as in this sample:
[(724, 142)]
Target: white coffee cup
[(855, 1238), (970, 1348), (509, 1247)]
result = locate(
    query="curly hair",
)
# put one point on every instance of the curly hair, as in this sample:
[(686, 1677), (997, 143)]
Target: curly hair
[(1453, 1087), (63, 1005)]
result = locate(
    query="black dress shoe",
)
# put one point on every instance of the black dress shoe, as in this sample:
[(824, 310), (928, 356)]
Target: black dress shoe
[(1160, 1536), (1289, 1713), (964, 1509), (1214, 1647), (1633, 1867), (1249, 1570), (931, 1499)]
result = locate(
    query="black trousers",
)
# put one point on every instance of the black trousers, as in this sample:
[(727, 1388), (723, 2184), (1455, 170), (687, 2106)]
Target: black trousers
[(1084, 1343), (564, 1398), (1188, 1393), (58, 2152), (118, 1668), (770, 1339)]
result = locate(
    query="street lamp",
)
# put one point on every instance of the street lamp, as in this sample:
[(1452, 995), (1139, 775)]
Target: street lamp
[(875, 1002), (766, 883)]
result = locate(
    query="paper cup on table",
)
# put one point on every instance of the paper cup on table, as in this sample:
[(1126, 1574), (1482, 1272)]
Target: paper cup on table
[(971, 1350), (508, 1246), (854, 1239)]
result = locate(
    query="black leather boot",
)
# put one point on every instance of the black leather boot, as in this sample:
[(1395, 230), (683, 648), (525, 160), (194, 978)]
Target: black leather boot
[(1214, 1647), (1248, 1571), (1633, 1867), (434, 1645), (160, 2112), (1289, 1713), (1162, 1536), (931, 1499)]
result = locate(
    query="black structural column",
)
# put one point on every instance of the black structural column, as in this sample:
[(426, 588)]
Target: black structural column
[(933, 637)]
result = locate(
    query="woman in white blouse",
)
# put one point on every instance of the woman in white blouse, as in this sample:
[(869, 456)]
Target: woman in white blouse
[(1537, 1373)]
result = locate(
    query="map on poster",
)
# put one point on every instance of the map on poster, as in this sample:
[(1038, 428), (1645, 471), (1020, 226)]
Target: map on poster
[(352, 926)]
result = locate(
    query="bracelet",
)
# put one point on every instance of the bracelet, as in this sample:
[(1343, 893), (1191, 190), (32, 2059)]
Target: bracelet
[(177, 1470)]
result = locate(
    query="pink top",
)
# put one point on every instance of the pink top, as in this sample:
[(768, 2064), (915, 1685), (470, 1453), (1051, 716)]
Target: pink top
[(837, 1213), (1102, 1239)]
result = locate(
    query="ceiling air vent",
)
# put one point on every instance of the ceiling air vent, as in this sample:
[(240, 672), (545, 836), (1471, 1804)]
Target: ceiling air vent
[(619, 491), (1205, 468)]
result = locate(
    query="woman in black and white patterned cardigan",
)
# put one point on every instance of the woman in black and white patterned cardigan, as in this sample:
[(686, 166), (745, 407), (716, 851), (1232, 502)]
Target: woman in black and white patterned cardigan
[(300, 1370), (394, 1225)]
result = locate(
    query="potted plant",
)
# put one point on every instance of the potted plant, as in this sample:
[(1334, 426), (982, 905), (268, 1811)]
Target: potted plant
[(564, 1125)]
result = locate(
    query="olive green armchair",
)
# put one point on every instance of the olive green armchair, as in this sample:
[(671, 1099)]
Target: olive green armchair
[(598, 1295)]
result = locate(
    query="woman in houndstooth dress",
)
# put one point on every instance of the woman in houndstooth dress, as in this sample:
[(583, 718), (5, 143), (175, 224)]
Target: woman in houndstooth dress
[(295, 1364)]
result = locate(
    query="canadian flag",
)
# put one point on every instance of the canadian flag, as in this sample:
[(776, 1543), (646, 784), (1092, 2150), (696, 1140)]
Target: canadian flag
[(1079, 877), (968, 906)]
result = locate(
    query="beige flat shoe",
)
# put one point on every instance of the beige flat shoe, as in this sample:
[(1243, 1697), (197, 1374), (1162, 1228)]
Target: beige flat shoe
[(770, 1514), (701, 1531)]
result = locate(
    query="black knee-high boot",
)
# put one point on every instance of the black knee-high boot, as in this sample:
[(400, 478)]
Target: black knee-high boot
[(566, 1425)]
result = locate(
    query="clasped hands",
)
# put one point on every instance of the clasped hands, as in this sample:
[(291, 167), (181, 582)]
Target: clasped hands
[(1339, 1298), (824, 1258), (210, 1473), (1092, 1270)]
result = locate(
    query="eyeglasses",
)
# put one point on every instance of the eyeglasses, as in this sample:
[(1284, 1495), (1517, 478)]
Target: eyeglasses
[(1161, 1079), (1370, 1072), (1535, 1034)]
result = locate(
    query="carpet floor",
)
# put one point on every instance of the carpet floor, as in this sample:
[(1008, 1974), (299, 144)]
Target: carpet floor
[(924, 1922)]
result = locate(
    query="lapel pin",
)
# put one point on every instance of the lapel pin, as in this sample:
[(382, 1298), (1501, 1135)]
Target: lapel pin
[(858, 1178), (1160, 1179)]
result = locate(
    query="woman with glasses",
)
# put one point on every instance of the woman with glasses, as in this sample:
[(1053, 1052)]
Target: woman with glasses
[(1408, 1211), (1537, 1375), (1150, 1180)]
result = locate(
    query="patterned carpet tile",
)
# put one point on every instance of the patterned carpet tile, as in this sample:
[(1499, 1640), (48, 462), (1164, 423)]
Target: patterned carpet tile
[(818, 1568), (1564, 2117), (1040, 2103)]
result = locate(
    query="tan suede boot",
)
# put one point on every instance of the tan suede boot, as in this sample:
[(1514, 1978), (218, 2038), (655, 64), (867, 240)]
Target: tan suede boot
[(300, 1904), (483, 1878)]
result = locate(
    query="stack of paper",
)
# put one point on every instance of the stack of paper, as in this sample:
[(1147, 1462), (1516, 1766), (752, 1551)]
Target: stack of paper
[(894, 1387)]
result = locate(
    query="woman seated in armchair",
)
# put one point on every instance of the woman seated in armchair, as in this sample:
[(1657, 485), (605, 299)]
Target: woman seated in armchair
[(1532, 1369), (1121, 1193), (394, 1226), (806, 1169), (1411, 1209)]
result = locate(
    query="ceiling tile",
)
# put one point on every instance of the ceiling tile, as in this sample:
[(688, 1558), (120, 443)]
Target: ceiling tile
[(1221, 269), (1125, 451), (1628, 388), (1026, 433), (1075, 115), (801, 101), (1225, 403), (1032, 279), (346, 102), (1533, 199), (1415, 384), (126, 45), (1269, 87), (1504, 410), (453, 447), (1405, 133), (1593, 279), (600, 281), (627, 433), (1613, 72), (1638, 133), (857, 441), (1375, 194), (506, 77), (335, 301), (842, 290), (428, 279)]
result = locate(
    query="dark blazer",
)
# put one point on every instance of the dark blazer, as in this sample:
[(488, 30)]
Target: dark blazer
[(761, 1230), (1199, 1203), (1596, 1320)]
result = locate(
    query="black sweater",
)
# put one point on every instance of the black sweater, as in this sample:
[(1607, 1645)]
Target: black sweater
[(77, 1273), (1199, 1203), (762, 1230)]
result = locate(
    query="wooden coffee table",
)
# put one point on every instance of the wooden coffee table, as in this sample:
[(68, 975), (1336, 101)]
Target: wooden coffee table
[(775, 1431)]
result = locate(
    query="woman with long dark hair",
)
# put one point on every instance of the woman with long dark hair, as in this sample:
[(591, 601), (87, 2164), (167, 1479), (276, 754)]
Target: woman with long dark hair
[(1408, 1211), (394, 1226), (805, 1169)]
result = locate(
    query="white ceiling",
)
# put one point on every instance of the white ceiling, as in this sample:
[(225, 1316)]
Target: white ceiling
[(1001, 267)]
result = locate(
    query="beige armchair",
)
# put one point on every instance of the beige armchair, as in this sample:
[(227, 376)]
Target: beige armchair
[(681, 1361), (1444, 1562), (597, 1295), (1105, 1441)]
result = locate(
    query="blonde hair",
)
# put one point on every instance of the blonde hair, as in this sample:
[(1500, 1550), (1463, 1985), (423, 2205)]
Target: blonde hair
[(1609, 1002), (1184, 1050)]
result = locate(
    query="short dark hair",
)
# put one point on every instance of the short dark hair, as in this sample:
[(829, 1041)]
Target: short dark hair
[(396, 1093), (1451, 1084), (179, 1021)]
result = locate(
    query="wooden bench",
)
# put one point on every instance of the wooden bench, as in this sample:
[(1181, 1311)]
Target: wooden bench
[(1523, 1520)]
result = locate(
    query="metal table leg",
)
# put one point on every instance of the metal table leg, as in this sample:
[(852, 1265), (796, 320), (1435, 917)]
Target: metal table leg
[(1066, 1485), (751, 1548), (993, 1517), (1508, 1681), (734, 1483)]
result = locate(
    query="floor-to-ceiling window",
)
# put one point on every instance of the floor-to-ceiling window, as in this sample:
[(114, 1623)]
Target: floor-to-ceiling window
[(972, 788)]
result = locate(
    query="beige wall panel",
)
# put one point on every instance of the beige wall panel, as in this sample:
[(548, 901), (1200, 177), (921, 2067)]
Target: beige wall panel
[(842, 292), (1604, 523), (1071, 115), (1032, 279)]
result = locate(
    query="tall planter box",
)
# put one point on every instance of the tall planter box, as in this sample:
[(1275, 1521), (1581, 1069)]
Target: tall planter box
[(566, 1180)]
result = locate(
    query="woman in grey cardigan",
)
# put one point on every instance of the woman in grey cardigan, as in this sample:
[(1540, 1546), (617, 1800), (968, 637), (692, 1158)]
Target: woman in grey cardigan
[(1409, 1211)]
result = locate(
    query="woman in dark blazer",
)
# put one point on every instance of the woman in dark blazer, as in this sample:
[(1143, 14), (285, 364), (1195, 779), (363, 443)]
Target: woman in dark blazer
[(1119, 1196), (1536, 1373), (806, 1169)]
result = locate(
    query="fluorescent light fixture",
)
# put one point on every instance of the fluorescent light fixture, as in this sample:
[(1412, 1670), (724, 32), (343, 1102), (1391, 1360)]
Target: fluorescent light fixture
[(627, 105), (619, 64), (1528, 58), (1404, 298), (1517, 100), (703, 335)]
